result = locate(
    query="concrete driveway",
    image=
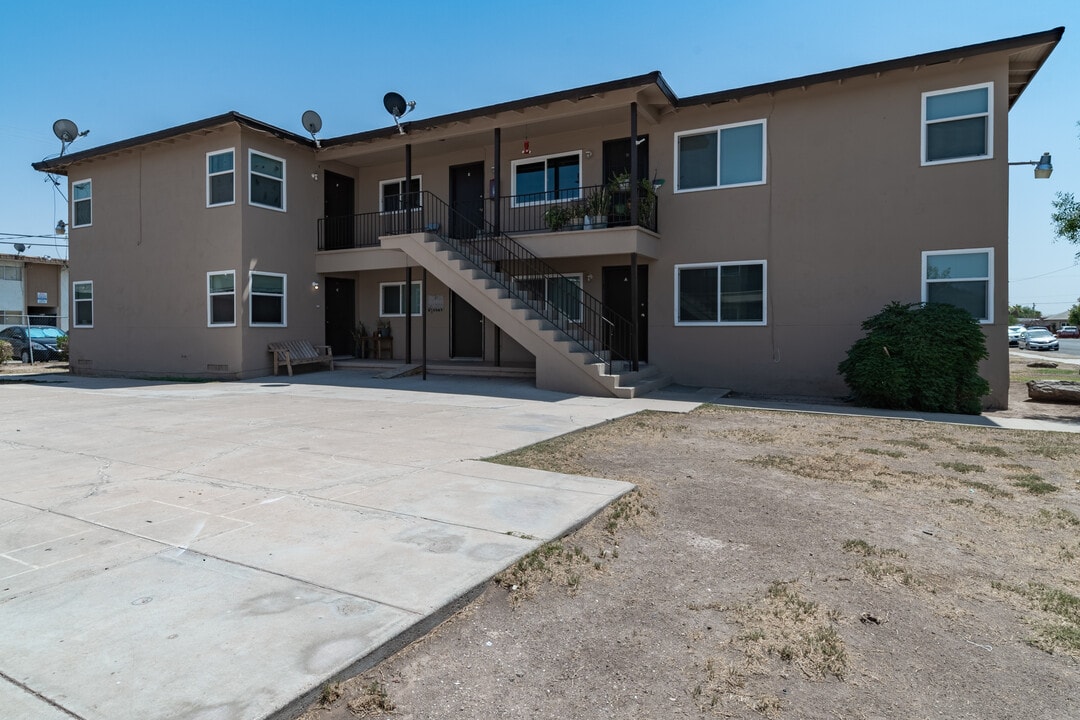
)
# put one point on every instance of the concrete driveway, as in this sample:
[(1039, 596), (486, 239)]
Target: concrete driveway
[(215, 551)]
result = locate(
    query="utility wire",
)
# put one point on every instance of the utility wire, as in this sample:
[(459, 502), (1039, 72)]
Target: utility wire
[(1044, 274)]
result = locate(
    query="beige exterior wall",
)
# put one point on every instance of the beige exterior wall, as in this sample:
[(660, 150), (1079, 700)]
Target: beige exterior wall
[(841, 222), (153, 240)]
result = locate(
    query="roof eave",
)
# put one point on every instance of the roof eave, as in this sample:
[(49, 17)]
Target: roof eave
[(1048, 38), (60, 165), (651, 78)]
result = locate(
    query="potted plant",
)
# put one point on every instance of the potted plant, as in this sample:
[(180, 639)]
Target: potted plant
[(359, 335), (646, 202), (596, 207), (576, 212), (383, 330), (556, 216)]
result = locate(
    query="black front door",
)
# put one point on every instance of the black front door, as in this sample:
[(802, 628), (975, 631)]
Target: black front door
[(617, 301), (617, 162), (339, 203), (466, 200), (340, 315), (466, 329)]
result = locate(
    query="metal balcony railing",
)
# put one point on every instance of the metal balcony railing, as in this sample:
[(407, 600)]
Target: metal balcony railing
[(591, 207)]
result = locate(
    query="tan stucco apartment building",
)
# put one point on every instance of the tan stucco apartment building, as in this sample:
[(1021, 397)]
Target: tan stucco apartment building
[(763, 225)]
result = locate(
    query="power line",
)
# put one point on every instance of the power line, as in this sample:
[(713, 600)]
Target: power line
[(1045, 273)]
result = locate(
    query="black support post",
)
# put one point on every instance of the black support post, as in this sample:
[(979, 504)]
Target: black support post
[(636, 312), (635, 186), (496, 214), (423, 324), (408, 313)]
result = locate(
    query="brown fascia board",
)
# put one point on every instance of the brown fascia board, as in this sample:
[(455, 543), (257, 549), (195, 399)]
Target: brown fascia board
[(652, 78), (60, 165), (32, 259), (1048, 37)]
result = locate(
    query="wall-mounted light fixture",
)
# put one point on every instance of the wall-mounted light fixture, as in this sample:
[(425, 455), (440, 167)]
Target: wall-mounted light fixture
[(314, 286), (61, 228), (1043, 166)]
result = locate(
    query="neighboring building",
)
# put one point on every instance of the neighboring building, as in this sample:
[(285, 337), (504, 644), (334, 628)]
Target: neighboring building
[(33, 290), (789, 213)]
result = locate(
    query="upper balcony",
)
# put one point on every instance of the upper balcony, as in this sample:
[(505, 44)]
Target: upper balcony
[(584, 221)]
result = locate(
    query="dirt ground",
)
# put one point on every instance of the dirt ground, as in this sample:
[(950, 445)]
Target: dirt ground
[(779, 565)]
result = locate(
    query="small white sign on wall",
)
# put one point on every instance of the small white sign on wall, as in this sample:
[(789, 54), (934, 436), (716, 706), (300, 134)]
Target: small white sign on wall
[(43, 298)]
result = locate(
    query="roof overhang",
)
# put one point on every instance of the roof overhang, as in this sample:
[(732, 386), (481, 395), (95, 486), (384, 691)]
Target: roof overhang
[(1027, 53), (60, 165)]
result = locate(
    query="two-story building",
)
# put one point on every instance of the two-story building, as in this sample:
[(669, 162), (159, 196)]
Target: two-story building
[(604, 234), (33, 290)]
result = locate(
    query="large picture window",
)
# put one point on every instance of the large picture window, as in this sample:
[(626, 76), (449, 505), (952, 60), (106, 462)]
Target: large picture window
[(724, 156), (957, 124), (393, 195), (83, 300), (221, 298), (720, 293), (266, 180), (267, 299), (392, 299), (964, 278), (81, 203), (544, 179), (220, 178)]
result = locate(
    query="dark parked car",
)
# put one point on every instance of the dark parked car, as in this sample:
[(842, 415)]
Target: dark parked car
[(43, 342), (1039, 339), (1069, 331)]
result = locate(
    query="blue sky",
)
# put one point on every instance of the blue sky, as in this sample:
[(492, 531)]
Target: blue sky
[(121, 69)]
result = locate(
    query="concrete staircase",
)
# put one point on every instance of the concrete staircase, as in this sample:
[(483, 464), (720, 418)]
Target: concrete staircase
[(563, 363)]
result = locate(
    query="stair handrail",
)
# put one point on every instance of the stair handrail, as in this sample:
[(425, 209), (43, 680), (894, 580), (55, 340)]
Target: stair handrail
[(497, 254)]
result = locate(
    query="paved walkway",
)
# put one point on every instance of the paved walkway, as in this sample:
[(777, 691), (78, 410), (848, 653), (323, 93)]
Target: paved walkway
[(215, 551)]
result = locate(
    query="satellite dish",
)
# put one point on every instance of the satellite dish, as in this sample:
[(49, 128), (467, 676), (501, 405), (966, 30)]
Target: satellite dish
[(19, 247), (65, 130), (395, 105), (312, 122)]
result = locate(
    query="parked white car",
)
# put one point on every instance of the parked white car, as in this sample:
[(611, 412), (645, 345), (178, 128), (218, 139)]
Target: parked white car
[(1015, 333)]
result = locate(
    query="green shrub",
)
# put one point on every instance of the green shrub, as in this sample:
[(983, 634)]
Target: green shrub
[(6, 353), (62, 347), (918, 357)]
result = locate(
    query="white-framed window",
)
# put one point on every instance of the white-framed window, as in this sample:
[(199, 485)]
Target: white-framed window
[(964, 278), (562, 292), (545, 179), (722, 293), (221, 298), (82, 203), (957, 124), (266, 180), (392, 299), (220, 178), (82, 299), (10, 272), (267, 299), (394, 196), (720, 157)]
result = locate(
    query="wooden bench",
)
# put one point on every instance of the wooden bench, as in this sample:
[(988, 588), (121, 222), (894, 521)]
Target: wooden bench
[(299, 352)]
